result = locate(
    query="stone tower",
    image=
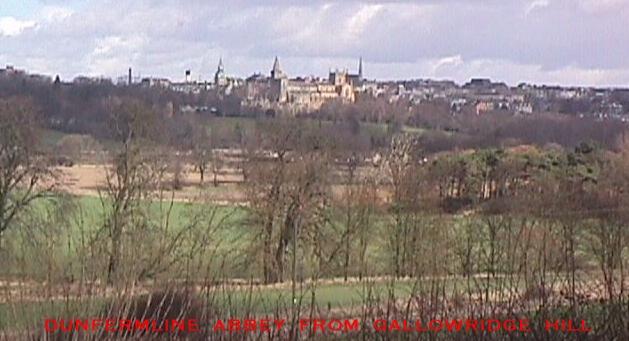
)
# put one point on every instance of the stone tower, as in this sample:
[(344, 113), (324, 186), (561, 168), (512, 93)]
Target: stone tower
[(219, 76), (276, 72), (360, 69)]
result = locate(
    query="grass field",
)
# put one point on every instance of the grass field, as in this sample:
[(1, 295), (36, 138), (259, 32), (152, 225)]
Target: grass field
[(334, 298), (74, 218), (232, 236), (77, 217)]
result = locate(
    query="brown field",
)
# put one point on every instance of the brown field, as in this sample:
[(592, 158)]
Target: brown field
[(91, 180)]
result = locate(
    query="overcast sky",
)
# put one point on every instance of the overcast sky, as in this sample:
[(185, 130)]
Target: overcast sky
[(569, 42)]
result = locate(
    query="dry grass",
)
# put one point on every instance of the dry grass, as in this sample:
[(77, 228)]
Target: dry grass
[(88, 179)]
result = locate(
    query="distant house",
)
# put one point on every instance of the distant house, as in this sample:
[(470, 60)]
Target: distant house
[(486, 86), (158, 82), (457, 104), (91, 80), (524, 108), (190, 88), (483, 106), (478, 83), (10, 70)]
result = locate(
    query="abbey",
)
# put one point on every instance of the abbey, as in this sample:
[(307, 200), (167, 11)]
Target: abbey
[(301, 94)]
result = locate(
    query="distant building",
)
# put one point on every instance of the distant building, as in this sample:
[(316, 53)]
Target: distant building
[(190, 88), (457, 104), (220, 80), (9, 70), (479, 83), (223, 84), (486, 86), (356, 80), (91, 80), (484, 106), (159, 82), (300, 94), (524, 108), (276, 71)]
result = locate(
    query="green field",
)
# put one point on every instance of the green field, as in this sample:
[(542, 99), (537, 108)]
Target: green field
[(342, 298), (83, 216), (71, 223), (71, 220)]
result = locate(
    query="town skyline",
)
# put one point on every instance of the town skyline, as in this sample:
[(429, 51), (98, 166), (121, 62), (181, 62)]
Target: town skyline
[(190, 76), (532, 41)]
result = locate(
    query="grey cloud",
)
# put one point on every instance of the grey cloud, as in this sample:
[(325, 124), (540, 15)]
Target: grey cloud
[(557, 38)]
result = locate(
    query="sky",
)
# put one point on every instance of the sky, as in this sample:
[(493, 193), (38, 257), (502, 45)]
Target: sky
[(563, 42)]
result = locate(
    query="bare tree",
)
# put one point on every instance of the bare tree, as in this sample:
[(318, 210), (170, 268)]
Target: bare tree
[(216, 164), (350, 200), (25, 174), (130, 177), (201, 148), (266, 170), (402, 167), (286, 189)]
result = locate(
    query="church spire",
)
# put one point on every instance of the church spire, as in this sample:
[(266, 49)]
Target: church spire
[(276, 72), (360, 68), (219, 77)]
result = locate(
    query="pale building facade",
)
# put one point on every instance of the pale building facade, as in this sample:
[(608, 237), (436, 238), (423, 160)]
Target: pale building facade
[(300, 94)]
